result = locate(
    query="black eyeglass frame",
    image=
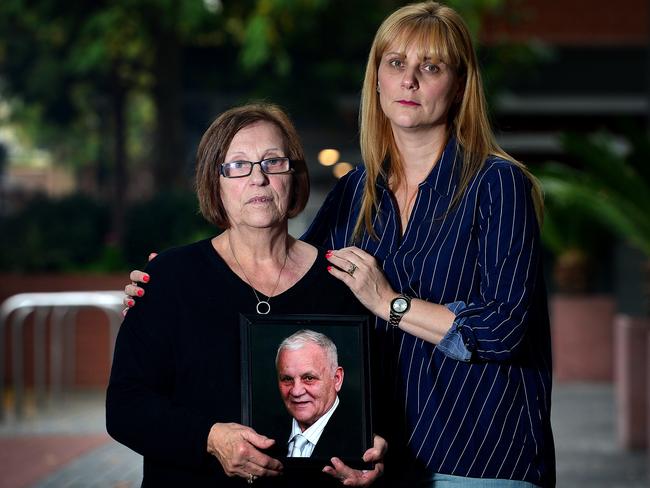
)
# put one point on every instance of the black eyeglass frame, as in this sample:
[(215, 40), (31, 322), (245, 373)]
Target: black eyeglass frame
[(253, 163)]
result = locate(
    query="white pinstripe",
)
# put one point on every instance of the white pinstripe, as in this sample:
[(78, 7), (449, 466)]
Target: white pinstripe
[(476, 424)]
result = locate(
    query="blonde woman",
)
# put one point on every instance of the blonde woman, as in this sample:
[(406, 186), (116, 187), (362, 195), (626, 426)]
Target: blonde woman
[(438, 235), (442, 245)]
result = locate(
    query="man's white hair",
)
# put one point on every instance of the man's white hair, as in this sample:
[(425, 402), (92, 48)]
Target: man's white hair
[(305, 336)]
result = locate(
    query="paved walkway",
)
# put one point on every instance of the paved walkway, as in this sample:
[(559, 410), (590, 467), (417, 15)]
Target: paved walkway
[(67, 446)]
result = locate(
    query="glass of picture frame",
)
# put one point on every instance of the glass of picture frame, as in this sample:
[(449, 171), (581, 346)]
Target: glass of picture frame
[(348, 433)]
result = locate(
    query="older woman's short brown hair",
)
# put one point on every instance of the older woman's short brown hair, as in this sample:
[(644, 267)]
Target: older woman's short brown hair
[(214, 146)]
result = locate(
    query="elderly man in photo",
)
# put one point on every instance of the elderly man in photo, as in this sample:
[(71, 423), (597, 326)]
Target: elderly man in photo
[(309, 379)]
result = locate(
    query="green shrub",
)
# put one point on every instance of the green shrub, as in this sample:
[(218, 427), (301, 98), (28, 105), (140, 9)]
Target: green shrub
[(71, 233), (167, 220), (53, 235)]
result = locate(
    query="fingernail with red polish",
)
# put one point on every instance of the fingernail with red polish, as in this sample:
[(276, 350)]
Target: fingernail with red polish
[(329, 268), (145, 278), (131, 303), (328, 254), (140, 293)]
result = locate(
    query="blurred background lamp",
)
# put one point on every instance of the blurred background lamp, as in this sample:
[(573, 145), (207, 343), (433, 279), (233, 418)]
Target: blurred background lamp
[(213, 6), (342, 169), (328, 157)]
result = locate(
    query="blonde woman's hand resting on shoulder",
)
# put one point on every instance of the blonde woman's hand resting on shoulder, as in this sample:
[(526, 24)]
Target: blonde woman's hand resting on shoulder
[(363, 275), (132, 290)]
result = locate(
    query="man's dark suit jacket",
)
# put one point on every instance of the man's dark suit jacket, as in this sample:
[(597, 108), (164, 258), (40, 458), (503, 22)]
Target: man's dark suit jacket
[(340, 438)]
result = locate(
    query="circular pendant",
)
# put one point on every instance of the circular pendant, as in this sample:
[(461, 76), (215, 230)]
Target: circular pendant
[(263, 307)]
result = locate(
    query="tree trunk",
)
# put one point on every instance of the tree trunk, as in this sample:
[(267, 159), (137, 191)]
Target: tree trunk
[(169, 161), (118, 194), (646, 286)]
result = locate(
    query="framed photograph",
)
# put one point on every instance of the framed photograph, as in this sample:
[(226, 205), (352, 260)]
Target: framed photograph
[(277, 404)]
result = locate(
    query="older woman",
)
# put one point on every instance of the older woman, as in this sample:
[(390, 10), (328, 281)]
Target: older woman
[(174, 392), (446, 254)]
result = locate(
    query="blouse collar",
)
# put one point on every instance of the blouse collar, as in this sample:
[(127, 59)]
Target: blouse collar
[(442, 176)]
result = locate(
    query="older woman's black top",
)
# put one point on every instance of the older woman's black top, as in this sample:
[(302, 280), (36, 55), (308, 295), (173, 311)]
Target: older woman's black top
[(176, 369)]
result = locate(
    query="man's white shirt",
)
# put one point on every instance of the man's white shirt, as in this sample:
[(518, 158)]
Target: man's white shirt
[(312, 434)]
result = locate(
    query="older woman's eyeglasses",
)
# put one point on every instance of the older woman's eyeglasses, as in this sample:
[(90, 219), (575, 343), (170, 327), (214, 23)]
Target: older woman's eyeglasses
[(270, 166)]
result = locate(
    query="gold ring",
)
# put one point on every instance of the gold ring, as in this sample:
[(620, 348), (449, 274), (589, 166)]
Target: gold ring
[(352, 269)]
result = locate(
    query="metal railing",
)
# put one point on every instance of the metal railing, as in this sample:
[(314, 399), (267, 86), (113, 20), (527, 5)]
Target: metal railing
[(61, 308)]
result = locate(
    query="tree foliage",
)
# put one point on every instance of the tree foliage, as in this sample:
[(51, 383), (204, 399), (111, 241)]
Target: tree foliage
[(104, 84), (63, 61)]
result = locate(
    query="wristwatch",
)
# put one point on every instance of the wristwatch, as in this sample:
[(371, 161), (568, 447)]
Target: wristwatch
[(398, 307)]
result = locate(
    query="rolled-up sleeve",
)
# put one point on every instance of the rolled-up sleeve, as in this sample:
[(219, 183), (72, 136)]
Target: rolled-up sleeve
[(453, 344), (492, 325)]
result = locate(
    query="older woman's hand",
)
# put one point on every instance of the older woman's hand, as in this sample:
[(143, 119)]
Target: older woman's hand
[(360, 271), (237, 449), (355, 477)]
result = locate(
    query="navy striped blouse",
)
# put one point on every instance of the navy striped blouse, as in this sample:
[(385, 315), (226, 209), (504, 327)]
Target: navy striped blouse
[(487, 416)]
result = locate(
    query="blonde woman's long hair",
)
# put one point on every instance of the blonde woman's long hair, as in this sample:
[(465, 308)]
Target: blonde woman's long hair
[(439, 33)]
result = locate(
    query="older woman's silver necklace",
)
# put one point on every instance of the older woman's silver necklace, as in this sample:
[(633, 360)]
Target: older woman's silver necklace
[(263, 307)]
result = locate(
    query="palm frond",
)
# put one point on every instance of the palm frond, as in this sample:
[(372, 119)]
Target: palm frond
[(616, 213)]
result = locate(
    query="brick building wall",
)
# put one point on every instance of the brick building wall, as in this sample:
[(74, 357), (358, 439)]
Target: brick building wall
[(573, 22)]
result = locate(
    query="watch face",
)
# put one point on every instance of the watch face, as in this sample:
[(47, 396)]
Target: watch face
[(400, 305)]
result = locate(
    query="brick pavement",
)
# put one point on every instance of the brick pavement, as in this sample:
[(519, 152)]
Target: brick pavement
[(65, 445), (109, 466), (26, 459), (583, 421), (585, 440)]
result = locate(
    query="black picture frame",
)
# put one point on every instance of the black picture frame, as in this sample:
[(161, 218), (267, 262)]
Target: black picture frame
[(262, 406)]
